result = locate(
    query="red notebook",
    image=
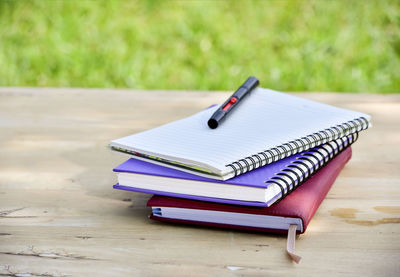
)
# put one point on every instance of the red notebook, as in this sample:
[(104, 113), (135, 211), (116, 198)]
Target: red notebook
[(296, 209)]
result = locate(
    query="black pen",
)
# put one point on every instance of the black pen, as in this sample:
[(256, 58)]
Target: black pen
[(232, 102)]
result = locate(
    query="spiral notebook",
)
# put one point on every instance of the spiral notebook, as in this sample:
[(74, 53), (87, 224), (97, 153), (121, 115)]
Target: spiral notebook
[(261, 187), (266, 127)]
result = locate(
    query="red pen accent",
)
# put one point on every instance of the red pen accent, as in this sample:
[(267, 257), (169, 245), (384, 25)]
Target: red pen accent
[(229, 104)]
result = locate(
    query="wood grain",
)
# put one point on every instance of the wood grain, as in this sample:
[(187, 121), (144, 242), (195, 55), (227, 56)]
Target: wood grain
[(59, 215)]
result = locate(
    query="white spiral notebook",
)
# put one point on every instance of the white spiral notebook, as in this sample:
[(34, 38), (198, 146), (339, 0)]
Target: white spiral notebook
[(266, 127)]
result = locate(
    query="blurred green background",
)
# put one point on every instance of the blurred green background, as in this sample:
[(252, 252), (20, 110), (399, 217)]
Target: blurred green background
[(343, 46)]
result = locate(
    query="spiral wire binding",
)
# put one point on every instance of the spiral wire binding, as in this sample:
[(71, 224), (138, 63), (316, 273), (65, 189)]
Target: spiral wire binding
[(308, 164), (299, 145)]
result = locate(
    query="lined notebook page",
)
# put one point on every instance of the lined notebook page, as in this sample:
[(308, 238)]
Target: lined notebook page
[(263, 120)]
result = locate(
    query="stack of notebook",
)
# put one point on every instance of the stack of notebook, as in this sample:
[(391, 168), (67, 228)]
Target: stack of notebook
[(266, 168)]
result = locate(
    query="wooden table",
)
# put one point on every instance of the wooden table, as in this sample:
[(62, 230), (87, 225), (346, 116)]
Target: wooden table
[(59, 215)]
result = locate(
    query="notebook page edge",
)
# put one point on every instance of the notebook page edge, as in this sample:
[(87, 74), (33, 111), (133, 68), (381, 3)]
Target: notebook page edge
[(187, 162)]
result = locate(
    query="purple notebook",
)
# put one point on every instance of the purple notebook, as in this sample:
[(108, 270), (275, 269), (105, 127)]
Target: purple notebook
[(260, 187)]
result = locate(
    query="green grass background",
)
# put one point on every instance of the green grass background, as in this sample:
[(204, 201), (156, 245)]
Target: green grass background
[(343, 46)]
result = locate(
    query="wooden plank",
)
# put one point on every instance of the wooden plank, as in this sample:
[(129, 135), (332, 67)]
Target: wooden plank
[(59, 215)]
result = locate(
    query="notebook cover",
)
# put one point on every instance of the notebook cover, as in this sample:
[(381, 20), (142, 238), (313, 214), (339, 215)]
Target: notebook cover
[(254, 178), (259, 178), (233, 148), (301, 203)]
